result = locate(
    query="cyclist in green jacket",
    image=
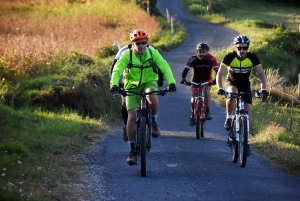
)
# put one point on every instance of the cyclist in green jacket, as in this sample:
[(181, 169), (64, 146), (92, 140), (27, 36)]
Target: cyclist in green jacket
[(139, 66), (239, 64), (123, 110)]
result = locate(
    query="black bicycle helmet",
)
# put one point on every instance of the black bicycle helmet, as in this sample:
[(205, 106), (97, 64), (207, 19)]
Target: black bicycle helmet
[(241, 39), (202, 46)]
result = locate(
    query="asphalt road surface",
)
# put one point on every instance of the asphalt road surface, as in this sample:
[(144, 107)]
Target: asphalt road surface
[(179, 166)]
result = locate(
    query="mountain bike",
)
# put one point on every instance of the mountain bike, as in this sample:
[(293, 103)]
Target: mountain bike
[(199, 107), (143, 124), (239, 131)]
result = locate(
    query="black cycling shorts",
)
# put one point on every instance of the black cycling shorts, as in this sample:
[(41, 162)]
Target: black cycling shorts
[(241, 87)]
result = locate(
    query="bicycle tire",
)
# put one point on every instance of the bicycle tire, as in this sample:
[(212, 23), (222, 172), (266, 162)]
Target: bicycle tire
[(149, 131), (234, 144), (198, 119), (202, 122), (243, 141), (143, 146), (148, 140)]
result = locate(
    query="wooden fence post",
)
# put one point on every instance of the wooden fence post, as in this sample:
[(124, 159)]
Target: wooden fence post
[(172, 27), (209, 6), (291, 120), (168, 15), (148, 7), (299, 86)]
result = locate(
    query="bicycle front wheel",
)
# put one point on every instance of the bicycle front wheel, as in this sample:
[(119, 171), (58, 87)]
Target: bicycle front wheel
[(243, 141), (143, 145), (198, 119), (234, 144)]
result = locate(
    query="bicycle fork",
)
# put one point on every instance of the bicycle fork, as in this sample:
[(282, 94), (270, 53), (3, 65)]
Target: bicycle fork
[(237, 127), (137, 132), (149, 127), (202, 115)]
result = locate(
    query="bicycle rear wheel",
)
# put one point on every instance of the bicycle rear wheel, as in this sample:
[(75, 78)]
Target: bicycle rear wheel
[(243, 141), (234, 144), (198, 119), (202, 125), (143, 145)]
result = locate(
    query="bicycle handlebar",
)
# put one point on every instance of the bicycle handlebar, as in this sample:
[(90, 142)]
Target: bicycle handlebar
[(124, 93), (255, 93), (197, 84)]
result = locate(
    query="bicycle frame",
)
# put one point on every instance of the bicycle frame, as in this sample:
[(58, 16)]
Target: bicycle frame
[(239, 129), (199, 108), (143, 124), (240, 111), (199, 98), (143, 112)]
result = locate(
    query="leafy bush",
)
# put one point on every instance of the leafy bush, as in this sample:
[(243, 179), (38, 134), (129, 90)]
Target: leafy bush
[(106, 51), (14, 147)]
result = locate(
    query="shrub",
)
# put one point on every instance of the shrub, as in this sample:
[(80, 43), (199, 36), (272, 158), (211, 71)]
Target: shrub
[(14, 147)]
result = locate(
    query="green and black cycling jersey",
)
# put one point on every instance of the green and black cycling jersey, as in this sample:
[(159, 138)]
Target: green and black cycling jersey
[(239, 70)]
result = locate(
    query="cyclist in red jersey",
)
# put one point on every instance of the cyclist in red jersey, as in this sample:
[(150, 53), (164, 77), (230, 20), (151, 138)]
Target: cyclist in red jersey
[(203, 64)]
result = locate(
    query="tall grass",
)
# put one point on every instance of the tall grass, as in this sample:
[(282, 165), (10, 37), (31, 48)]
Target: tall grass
[(33, 35)]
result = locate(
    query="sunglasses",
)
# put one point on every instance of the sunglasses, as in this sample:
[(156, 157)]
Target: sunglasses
[(138, 43), (242, 48)]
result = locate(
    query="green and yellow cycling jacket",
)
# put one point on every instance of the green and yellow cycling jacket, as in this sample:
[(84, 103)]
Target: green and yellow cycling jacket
[(239, 70), (142, 70)]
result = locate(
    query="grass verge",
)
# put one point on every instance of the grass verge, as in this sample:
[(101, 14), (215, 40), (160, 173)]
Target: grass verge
[(55, 99), (273, 30)]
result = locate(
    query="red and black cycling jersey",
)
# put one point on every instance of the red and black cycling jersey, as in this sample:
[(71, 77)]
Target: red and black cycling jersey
[(202, 68), (239, 70)]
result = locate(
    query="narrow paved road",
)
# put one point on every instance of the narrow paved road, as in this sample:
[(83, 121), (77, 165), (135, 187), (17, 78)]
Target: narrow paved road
[(180, 167)]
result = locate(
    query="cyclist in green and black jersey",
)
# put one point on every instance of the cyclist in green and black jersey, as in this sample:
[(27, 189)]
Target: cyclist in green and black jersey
[(239, 64)]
